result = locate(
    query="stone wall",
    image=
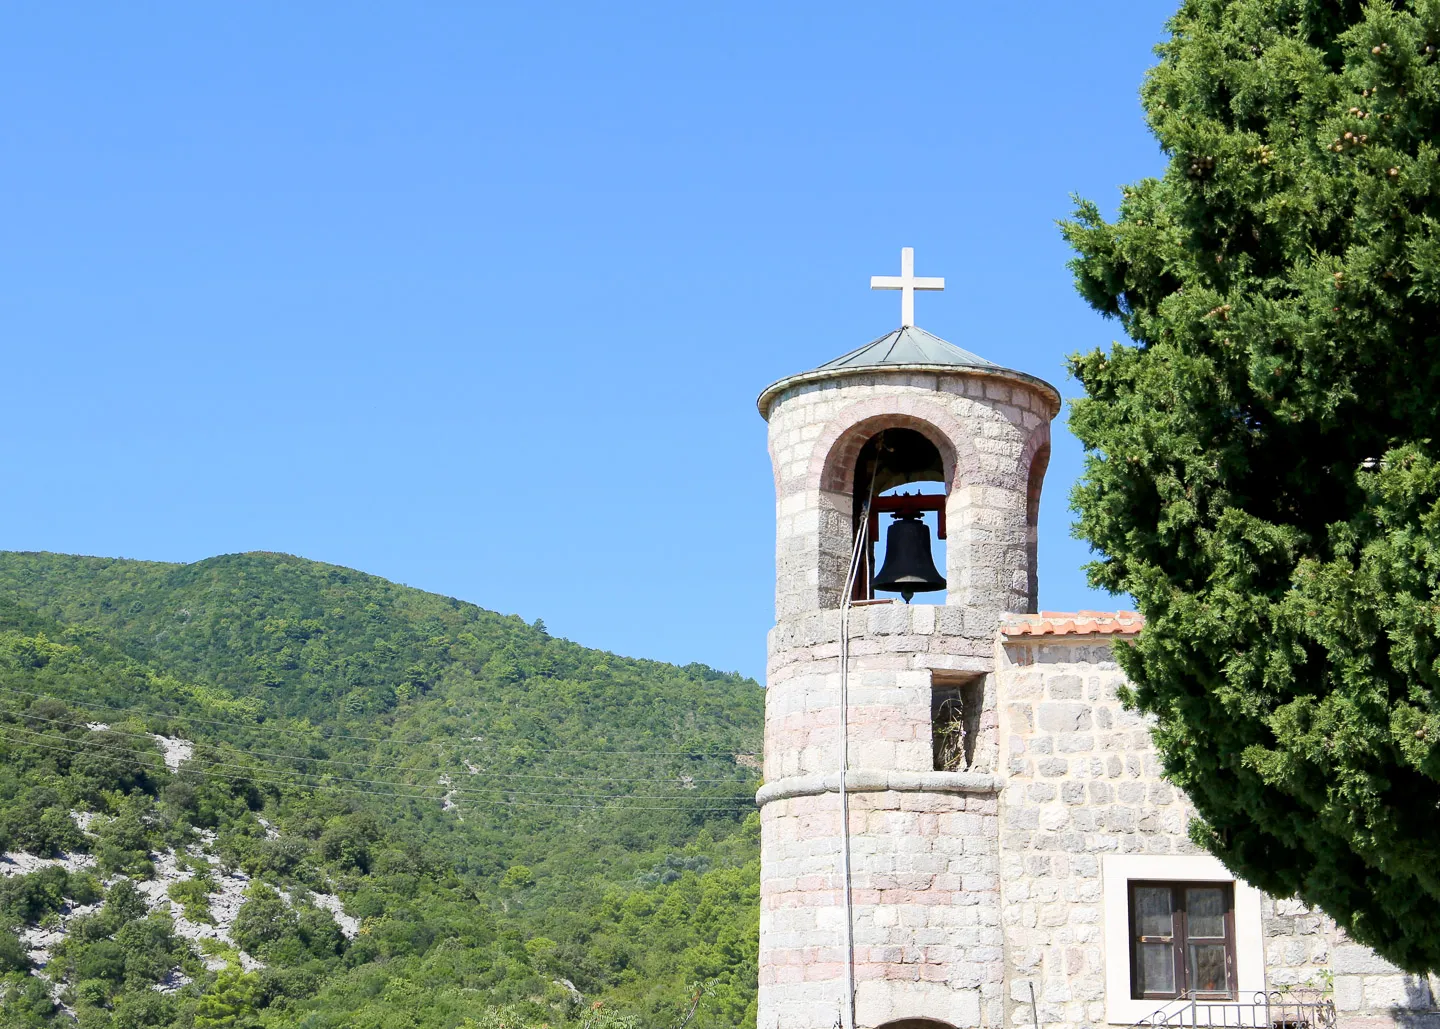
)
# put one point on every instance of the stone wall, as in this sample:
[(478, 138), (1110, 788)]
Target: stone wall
[(924, 879), (924, 876), (894, 650), (1083, 786), (926, 906), (988, 430), (971, 888)]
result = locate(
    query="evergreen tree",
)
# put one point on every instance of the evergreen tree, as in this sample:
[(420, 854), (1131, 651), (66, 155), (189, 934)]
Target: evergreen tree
[(1263, 470), (230, 1002)]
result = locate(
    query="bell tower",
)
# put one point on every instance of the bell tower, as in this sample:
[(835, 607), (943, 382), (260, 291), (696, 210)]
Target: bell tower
[(880, 901)]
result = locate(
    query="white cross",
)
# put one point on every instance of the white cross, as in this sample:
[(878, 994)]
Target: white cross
[(907, 284)]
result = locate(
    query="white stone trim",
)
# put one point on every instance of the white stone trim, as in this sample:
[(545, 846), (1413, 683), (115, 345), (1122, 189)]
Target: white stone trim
[(1117, 870), (877, 780)]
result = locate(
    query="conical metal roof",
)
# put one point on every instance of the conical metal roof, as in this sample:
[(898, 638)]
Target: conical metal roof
[(908, 345), (908, 348)]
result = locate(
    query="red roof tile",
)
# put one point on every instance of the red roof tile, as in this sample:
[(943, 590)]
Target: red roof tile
[(1078, 623)]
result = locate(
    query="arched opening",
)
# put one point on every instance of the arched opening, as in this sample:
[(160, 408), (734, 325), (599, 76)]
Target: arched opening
[(1035, 481), (916, 1023), (899, 474)]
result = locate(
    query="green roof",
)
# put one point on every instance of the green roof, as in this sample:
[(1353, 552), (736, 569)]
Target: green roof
[(908, 345), (907, 348)]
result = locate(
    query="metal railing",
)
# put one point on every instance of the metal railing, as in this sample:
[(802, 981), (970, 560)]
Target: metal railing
[(1295, 1009)]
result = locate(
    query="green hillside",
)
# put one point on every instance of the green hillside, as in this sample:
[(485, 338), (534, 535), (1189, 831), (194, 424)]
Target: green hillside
[(524, 828)]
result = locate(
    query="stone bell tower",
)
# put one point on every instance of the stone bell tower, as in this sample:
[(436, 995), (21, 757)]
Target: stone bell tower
[(904, 908)]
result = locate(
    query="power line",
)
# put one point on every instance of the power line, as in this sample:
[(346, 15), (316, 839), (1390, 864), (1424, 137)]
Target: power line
[(452, 740), (436, 792), (373, 782), (367, 764), (78, 746)]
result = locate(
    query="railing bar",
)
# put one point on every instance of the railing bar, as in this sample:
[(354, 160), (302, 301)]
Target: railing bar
[(1274, 1010)]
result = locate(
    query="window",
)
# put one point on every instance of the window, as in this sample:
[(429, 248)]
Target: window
[(1125, 1005), (955, 704), (1182, 940)]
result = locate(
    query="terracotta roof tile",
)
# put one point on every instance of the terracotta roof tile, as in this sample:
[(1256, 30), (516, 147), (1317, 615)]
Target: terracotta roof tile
[(1078, 623)]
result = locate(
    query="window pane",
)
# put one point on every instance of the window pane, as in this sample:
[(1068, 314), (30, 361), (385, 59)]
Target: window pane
[(1157, 968), (1205, 909), (1207, 968), (1153, 915)]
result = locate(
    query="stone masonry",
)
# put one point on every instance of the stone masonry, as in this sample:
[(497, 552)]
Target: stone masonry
[(1082, 784), (924, 884), (977, 887), (989, 429)]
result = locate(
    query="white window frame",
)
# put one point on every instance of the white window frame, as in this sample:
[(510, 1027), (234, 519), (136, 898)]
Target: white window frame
[(1117, 872)]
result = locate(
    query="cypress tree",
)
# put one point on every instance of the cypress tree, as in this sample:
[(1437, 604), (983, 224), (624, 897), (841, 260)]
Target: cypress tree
[(1263, 453)]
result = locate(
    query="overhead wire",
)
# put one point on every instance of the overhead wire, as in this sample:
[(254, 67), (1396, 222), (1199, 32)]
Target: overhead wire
[(367, 764), (436, 792), (446, 787), (411, 741)]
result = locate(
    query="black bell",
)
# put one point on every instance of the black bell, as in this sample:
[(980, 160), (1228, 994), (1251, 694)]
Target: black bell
[(909, 568)]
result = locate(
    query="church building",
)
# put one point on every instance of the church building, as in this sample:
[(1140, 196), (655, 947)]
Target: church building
[(961, 824)]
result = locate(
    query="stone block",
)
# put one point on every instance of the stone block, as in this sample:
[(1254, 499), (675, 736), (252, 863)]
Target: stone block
[(1064, 717), (1131, 792), (949, 620), (1352, 958), (1397, 991), (1065, 687), (1052, 819), (1349, 993)]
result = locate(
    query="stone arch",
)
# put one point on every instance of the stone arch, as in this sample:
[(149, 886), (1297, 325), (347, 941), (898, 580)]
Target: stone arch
[(836, 457), (1035, 460), (916, 1023), (833, 464)]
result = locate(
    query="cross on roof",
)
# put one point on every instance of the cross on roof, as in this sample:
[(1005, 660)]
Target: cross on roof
[(907, 284)]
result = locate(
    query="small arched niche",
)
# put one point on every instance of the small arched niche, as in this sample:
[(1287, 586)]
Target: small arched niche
[(898, 475), (916, 1023)]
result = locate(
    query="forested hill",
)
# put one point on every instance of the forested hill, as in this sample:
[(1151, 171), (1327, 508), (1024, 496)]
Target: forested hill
[(527, 831)]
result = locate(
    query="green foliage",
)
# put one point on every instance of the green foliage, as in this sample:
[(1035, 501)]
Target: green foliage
[(193, 896), (346, 841), (123, 904), (1264, 458), (230, 1003), (265, 923), (324, 707), (29, 898), (84, 888), (13, 957), (122, 843), (26, 1004), (151, 949), (139, 1009), (517, 877), (38, 822)]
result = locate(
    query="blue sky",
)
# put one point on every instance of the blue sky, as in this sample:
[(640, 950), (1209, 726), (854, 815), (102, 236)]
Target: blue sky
[(479, 297)]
